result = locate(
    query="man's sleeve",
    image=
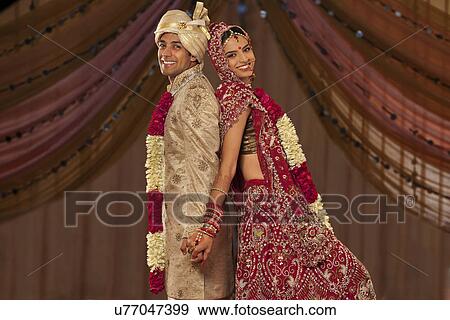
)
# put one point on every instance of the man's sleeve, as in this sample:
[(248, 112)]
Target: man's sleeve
[(200, 125)]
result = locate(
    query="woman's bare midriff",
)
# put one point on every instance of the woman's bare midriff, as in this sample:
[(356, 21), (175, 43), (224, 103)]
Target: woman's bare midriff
[(249, 166)]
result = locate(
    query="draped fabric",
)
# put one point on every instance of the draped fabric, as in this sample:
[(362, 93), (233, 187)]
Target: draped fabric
[(62, 118), (389, 112)]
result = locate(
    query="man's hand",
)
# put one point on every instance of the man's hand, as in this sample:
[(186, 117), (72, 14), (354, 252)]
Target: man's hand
[(184, 247)]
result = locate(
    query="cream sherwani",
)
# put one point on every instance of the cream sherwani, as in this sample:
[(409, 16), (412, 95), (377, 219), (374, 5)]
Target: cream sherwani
[(191, 144)]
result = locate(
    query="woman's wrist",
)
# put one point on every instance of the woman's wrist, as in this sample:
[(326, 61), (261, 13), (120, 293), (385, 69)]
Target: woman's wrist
[(212, 219)]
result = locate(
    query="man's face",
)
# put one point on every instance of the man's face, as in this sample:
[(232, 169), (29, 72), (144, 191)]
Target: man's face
[(173, 58)]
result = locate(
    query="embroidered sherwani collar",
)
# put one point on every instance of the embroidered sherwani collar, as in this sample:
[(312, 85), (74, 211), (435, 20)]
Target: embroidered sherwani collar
[(184, 77)]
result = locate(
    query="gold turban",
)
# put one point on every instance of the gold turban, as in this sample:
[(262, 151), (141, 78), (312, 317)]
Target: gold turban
[(193, 33)]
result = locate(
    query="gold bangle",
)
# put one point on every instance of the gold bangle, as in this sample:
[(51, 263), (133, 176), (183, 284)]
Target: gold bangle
[(220, 190)]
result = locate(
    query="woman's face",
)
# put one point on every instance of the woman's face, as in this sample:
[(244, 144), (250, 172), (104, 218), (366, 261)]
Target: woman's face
[(240, 57)]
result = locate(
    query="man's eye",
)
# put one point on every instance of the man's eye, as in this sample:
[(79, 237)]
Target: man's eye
[(177, 46)]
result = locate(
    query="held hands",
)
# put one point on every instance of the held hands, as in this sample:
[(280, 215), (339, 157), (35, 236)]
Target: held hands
[(198, 245)]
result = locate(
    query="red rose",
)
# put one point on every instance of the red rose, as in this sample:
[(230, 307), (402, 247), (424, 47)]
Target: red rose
[(154, 208), (156, 281), (273, 109), (156, 126), (303, 179), (258, 92)]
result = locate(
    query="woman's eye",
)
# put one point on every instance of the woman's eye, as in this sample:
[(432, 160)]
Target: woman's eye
[(177, 47), (247, 49), (231, 55)]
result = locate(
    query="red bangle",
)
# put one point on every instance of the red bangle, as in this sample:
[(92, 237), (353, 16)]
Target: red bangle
[(207, 232), (213, 215)]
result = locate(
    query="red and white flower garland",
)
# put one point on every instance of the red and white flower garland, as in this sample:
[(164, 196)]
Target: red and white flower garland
[(156, 251), (295, 156)]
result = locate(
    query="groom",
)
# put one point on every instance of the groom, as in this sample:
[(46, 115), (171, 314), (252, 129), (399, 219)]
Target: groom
[(190, 161)]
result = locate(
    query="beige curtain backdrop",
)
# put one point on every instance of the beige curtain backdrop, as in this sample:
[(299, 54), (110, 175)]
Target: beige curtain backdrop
[(41, 259)]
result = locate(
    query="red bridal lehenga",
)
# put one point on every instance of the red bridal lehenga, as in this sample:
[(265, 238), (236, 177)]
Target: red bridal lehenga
[(287, 249)]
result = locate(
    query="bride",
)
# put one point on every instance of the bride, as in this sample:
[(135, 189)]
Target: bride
[(287, 248)]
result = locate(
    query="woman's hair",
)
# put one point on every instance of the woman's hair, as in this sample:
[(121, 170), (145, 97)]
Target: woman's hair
[(232, 31)]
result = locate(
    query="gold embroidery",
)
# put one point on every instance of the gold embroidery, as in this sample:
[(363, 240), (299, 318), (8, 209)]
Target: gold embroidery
[(176, 179), (202, 165), (258, 233), (196, 123), (197, 99), (248, 144), (184, 78)]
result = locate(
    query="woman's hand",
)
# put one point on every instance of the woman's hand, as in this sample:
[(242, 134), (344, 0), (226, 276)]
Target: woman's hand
[(201, 251)]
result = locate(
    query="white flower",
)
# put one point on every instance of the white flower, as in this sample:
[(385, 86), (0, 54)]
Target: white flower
[(290, 141), (317, 208), (154, 163), (317, 205), (156, 251)]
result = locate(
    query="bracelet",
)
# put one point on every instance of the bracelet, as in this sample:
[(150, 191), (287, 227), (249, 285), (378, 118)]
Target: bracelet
[(213, 218), (209, 234), (198, 237), (213, 222), (209, 230), (210, 227), (214, 215), (220, 190)]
